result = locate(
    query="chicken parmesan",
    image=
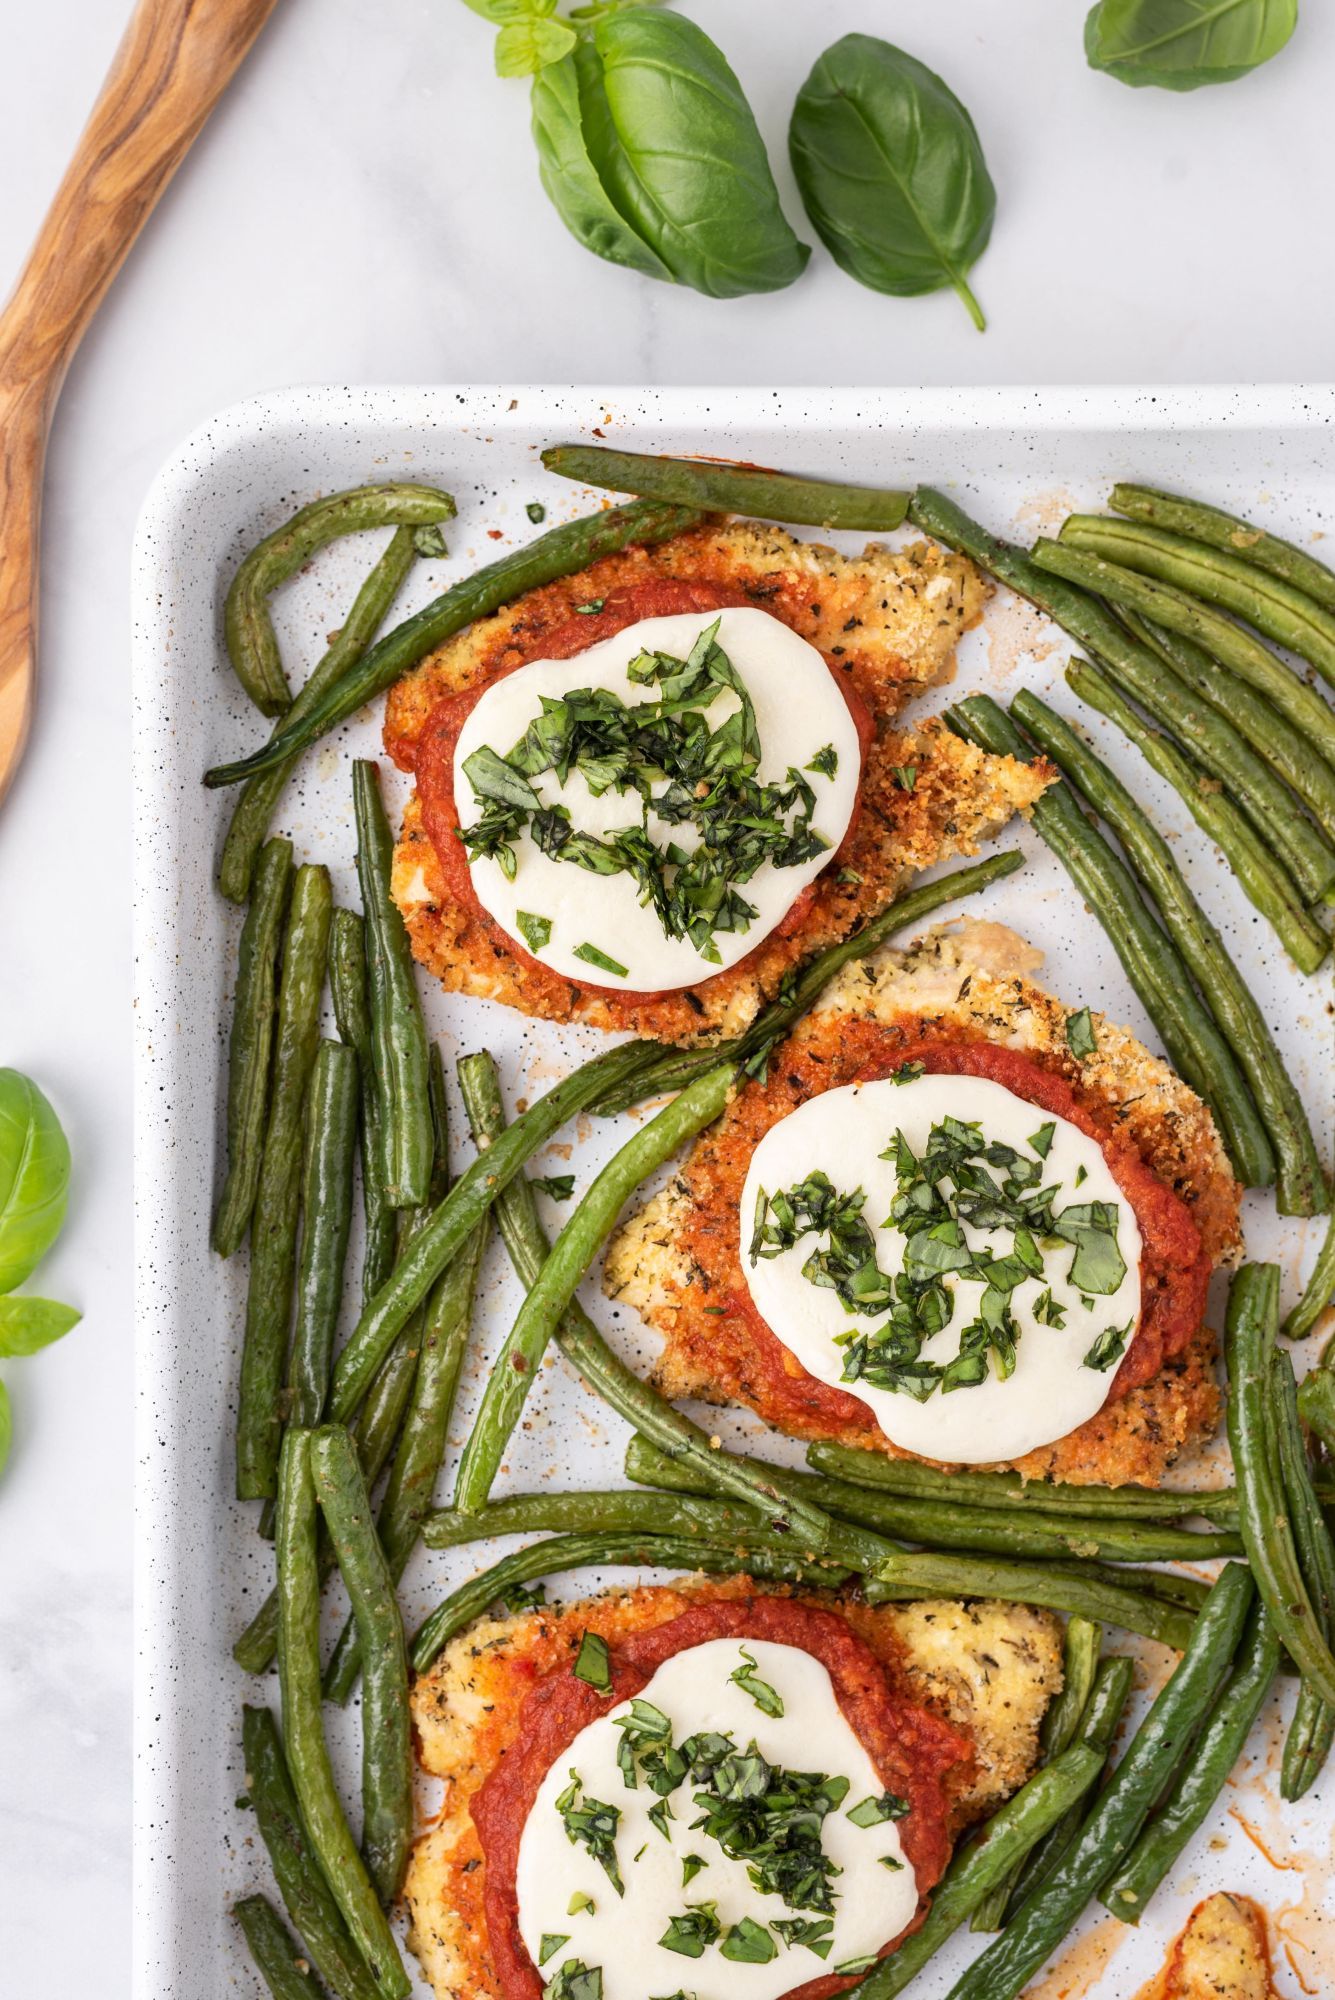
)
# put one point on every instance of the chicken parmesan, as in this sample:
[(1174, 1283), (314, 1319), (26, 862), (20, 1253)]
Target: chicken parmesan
[(646, 792), (952, 1222), (707, 1787)]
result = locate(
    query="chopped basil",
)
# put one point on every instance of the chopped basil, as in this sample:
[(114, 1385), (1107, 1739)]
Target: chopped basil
[(1080, 1036), (769, 1818), (690, 1933), (589, 610), (581, 1901), (905, 776), (1098, 1265), (535, 931), (559, 1186), (593, 1662), (749, 1943), (1108, 1347), (536, 512), (660, 1816), (550, 1944), (766, 1698), (664, 753), (909, 1072), (429, 540), (592, 1824), (848, 1266), (825, 762), (1041, 1141), (813, 1933), (1047, 1311), (1081, 1174), (875, 1811), (575, 1981), (592, 956), (523, 1597), (691, 1866), (889, 1861)]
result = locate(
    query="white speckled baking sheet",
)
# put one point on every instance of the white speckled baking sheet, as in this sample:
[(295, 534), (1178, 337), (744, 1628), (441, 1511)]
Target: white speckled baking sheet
[(1019, 459)]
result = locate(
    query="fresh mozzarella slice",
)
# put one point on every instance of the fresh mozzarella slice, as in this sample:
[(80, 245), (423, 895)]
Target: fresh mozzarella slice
[(1054, 1388), (621, 1935), (799, 713)]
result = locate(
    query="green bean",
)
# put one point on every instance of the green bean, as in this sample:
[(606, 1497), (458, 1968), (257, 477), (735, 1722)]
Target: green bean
[(972, 1876), (925, 1574), (455, 1219), (417, 1462), (1262, 879), (1203, 1776), (560, 552), (1007, 1489), (1318, 1292), (252, 645), (1312, 1731), (398, 1032), (684, 1517), (306, 1895), (1301, 1186), (1048, 1912), (560, 1553), (1057, 1732), (387, 1752), (575, 1248), (1289, 754), (948, 1526), (1152, 962), (1249, 1335), (347, 981), (303, 1728), (1096, 1730), (1225, 531), (1172, 1586), (589, 1355), (273, 1226), (249, 824), (727, 488), (326, 1203), (251, 1044), (1275, 608), (1210, 629), (678, 1067), (277, 1957)]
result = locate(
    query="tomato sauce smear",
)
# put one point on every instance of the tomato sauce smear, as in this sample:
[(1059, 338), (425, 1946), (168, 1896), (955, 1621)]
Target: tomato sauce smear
[(1174, 1265), (434, 752), (913, 1751)]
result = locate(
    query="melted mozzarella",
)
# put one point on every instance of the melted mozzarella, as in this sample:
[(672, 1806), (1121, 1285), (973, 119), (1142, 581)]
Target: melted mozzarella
[(1051, 1391), (799, 710), (872, 1903)]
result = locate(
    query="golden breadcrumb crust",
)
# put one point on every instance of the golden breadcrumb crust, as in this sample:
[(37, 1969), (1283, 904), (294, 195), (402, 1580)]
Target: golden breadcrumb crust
[(972, 981), (1223, 1954), (990, 1669), (889, 619)]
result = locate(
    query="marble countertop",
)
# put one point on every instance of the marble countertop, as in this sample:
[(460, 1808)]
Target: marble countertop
[(365, 207)]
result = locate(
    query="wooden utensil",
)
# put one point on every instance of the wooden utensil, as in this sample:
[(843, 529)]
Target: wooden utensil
[(175, 61)]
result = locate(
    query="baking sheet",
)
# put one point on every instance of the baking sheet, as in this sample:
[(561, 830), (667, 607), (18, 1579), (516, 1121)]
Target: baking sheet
[(1018, 459)]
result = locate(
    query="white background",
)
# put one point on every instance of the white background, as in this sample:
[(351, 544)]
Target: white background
[(365, 207)]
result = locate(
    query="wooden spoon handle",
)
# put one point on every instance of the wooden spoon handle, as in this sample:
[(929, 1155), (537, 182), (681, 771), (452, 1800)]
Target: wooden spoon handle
[(176, 59)]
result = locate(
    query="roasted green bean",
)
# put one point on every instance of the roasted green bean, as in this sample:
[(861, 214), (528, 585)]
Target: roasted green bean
[(1153, 963), (1151, 1758), (1007, 1489), (347, 981), (924, 1573), (1249, 1336), (1225, 531), (1312, 1732), (1261, 877), (273, 1227), (398, 1032), (303, 1728), (1318, 1292), (726, 488), (1096, 1730), (249, 824), (252, 645), (326, 1206), (277, 1958), (559, 552), (387, 1752), (251, 1044), (1284, 614), (306, 1895), (1301, 1188), (580, 1240)]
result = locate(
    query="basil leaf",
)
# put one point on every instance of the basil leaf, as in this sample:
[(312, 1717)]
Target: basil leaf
[(34, 1177), (535, 931), (550, 1944), (874, 1811), (593, 1663), (766, 1698), (1080, 1037), (891, 171), (1185, 44), (569, 176), (525, 47), (592, 956), (676, 151), (1098, 1265), (28, 1324), (1108, 1347), (559, 1186), (492, 778), (749, 1943)]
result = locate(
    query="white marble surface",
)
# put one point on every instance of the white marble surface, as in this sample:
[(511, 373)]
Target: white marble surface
[(365, 207)]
